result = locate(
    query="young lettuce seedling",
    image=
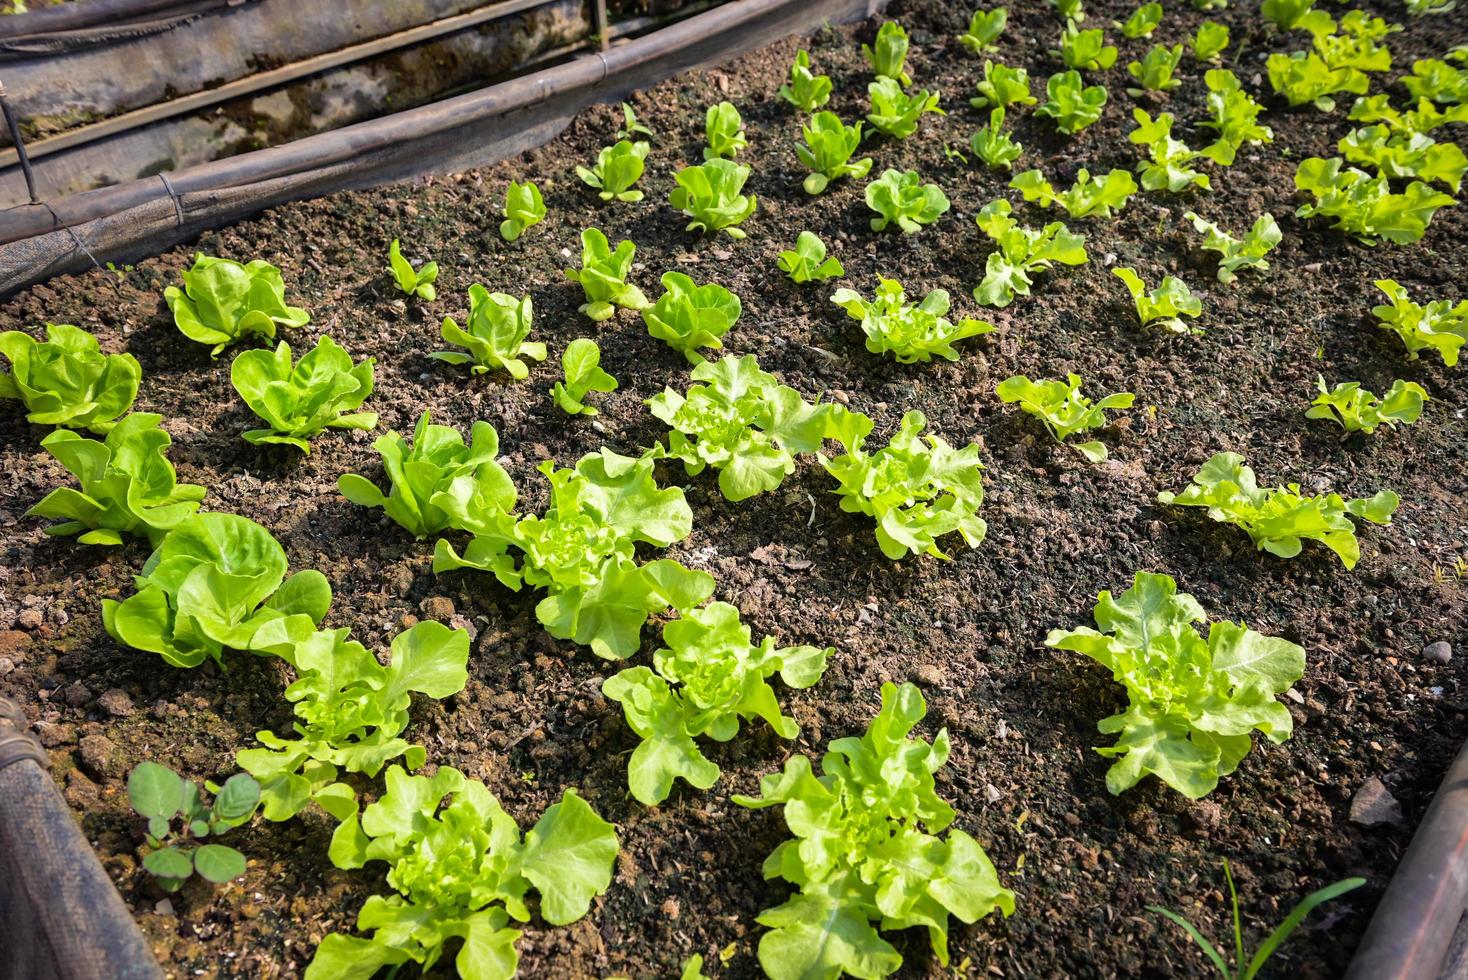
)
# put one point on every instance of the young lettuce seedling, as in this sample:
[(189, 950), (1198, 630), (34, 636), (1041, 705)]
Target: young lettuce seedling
[(1167, 167), (1441, 325), (495, 335), (984, 28), (992, 144), (1063, 409), (1279, 519), (165, 798), (889, 56), (409, 282), (223, 302), (808, 262), (66, 380), (827, 151), (1164, 306), (1142, 22), (895, 112), (1084, 50), (710, 195), (1250, 970), (1085, 198), (724, 130), (1238, 253), (806, 91), (1285, 14), (1154, 72), (911, 333), (617, 169), (631, 128), (603, 276), (299, 401), (1210, 42), (707, 679), (1021, 251), (877, 821), (1235, 117), (1002, 86), (1366, 206), (523, 208), (1357, 410), (1192, 701), (1404, 157), (582, 365), (1437, 81), (904, 200), (1304, 78), (688, 316), (1071, 103)]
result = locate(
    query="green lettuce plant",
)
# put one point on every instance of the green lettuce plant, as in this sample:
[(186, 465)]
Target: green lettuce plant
[(496, 335), (1069, 10), (866, 852), (212, 582), (1086, 198), (1002, 86), (1285, 14), (917, 489), (524, 207), (438, 483), (1063, 409), (993, 145), (631, 128), (418, 283), (1192, 701), (128, 486), (581, 363), (66, 380), (1084, 50), (1167, 167), (1437, 81), (1356, 43), (895, 112), (889, 55), (223, 302), (1142, 22), (1278, 520), (179, 820), (1366, 206), (909, 332), (984, 28), (741, 422), (806, 91), (1164, 306), (724, 131), (827, 151), (618, 168), (1422, 118), (1304, 78), (708, 678), (603, 276), (1019, 252), (1235, 117), (1414, 156), (902, 199), (1238, 253), (1209, 42), (807, 262), (1357, 410), (300, 400), (1071, 103), (461, 870), (688, 316), (1441, 325), (710, 195), (1154, 72)]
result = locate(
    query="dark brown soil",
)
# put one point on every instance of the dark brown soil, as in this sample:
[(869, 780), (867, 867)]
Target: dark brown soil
[(970, 631)]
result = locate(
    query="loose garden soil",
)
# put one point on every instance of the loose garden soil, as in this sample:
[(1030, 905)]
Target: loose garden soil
[(969, 632)]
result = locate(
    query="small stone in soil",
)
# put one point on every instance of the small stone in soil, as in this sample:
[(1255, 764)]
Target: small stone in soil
[(1441, 651), (928, 675), (116, 703), (1373, 804)]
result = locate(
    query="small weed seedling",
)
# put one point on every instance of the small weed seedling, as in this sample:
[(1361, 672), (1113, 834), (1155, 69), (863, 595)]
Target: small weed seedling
[(179, 819)]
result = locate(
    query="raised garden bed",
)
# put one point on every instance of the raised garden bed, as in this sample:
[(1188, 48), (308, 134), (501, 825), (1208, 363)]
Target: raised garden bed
[(1023, 779)]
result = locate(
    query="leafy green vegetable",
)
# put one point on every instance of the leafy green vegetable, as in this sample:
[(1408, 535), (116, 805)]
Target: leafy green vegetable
[(1279, 519), (721, 679), (1164, 306), (439, 483), (1169, 158), (1154, 71), (1437, 81), (212, 582), (463, 871), (523, 208), (1304, 78), (1366, 206), (66, 380), (223, 302), (582, 365), (1286, 14), (1404, 156), (917, 491), (808, 262), (904, 200), (687, 316), (1235, 117), (897, 113), (419, 283), (710, 195), (1002, 86), (865, 852), (743, 423), (1063, 409), (617, 169), (1142, 22), (1085, 198), (1084, 50), (128, 484), (911, 333), (724, 131), (1191, 702), (827, 151), (806, 91), (631, 128), (1353, 43), (1249, 971), (1069, 10), (984, 28), (992, 144), (1424, 118), (890, 54), (163, 797), (1357, 410), (1238, 253), (603, 276), (1441, 325), (1071, 103), (1021, 251), (351, 712), (496, 336), (301, 400), (1210, 41)]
